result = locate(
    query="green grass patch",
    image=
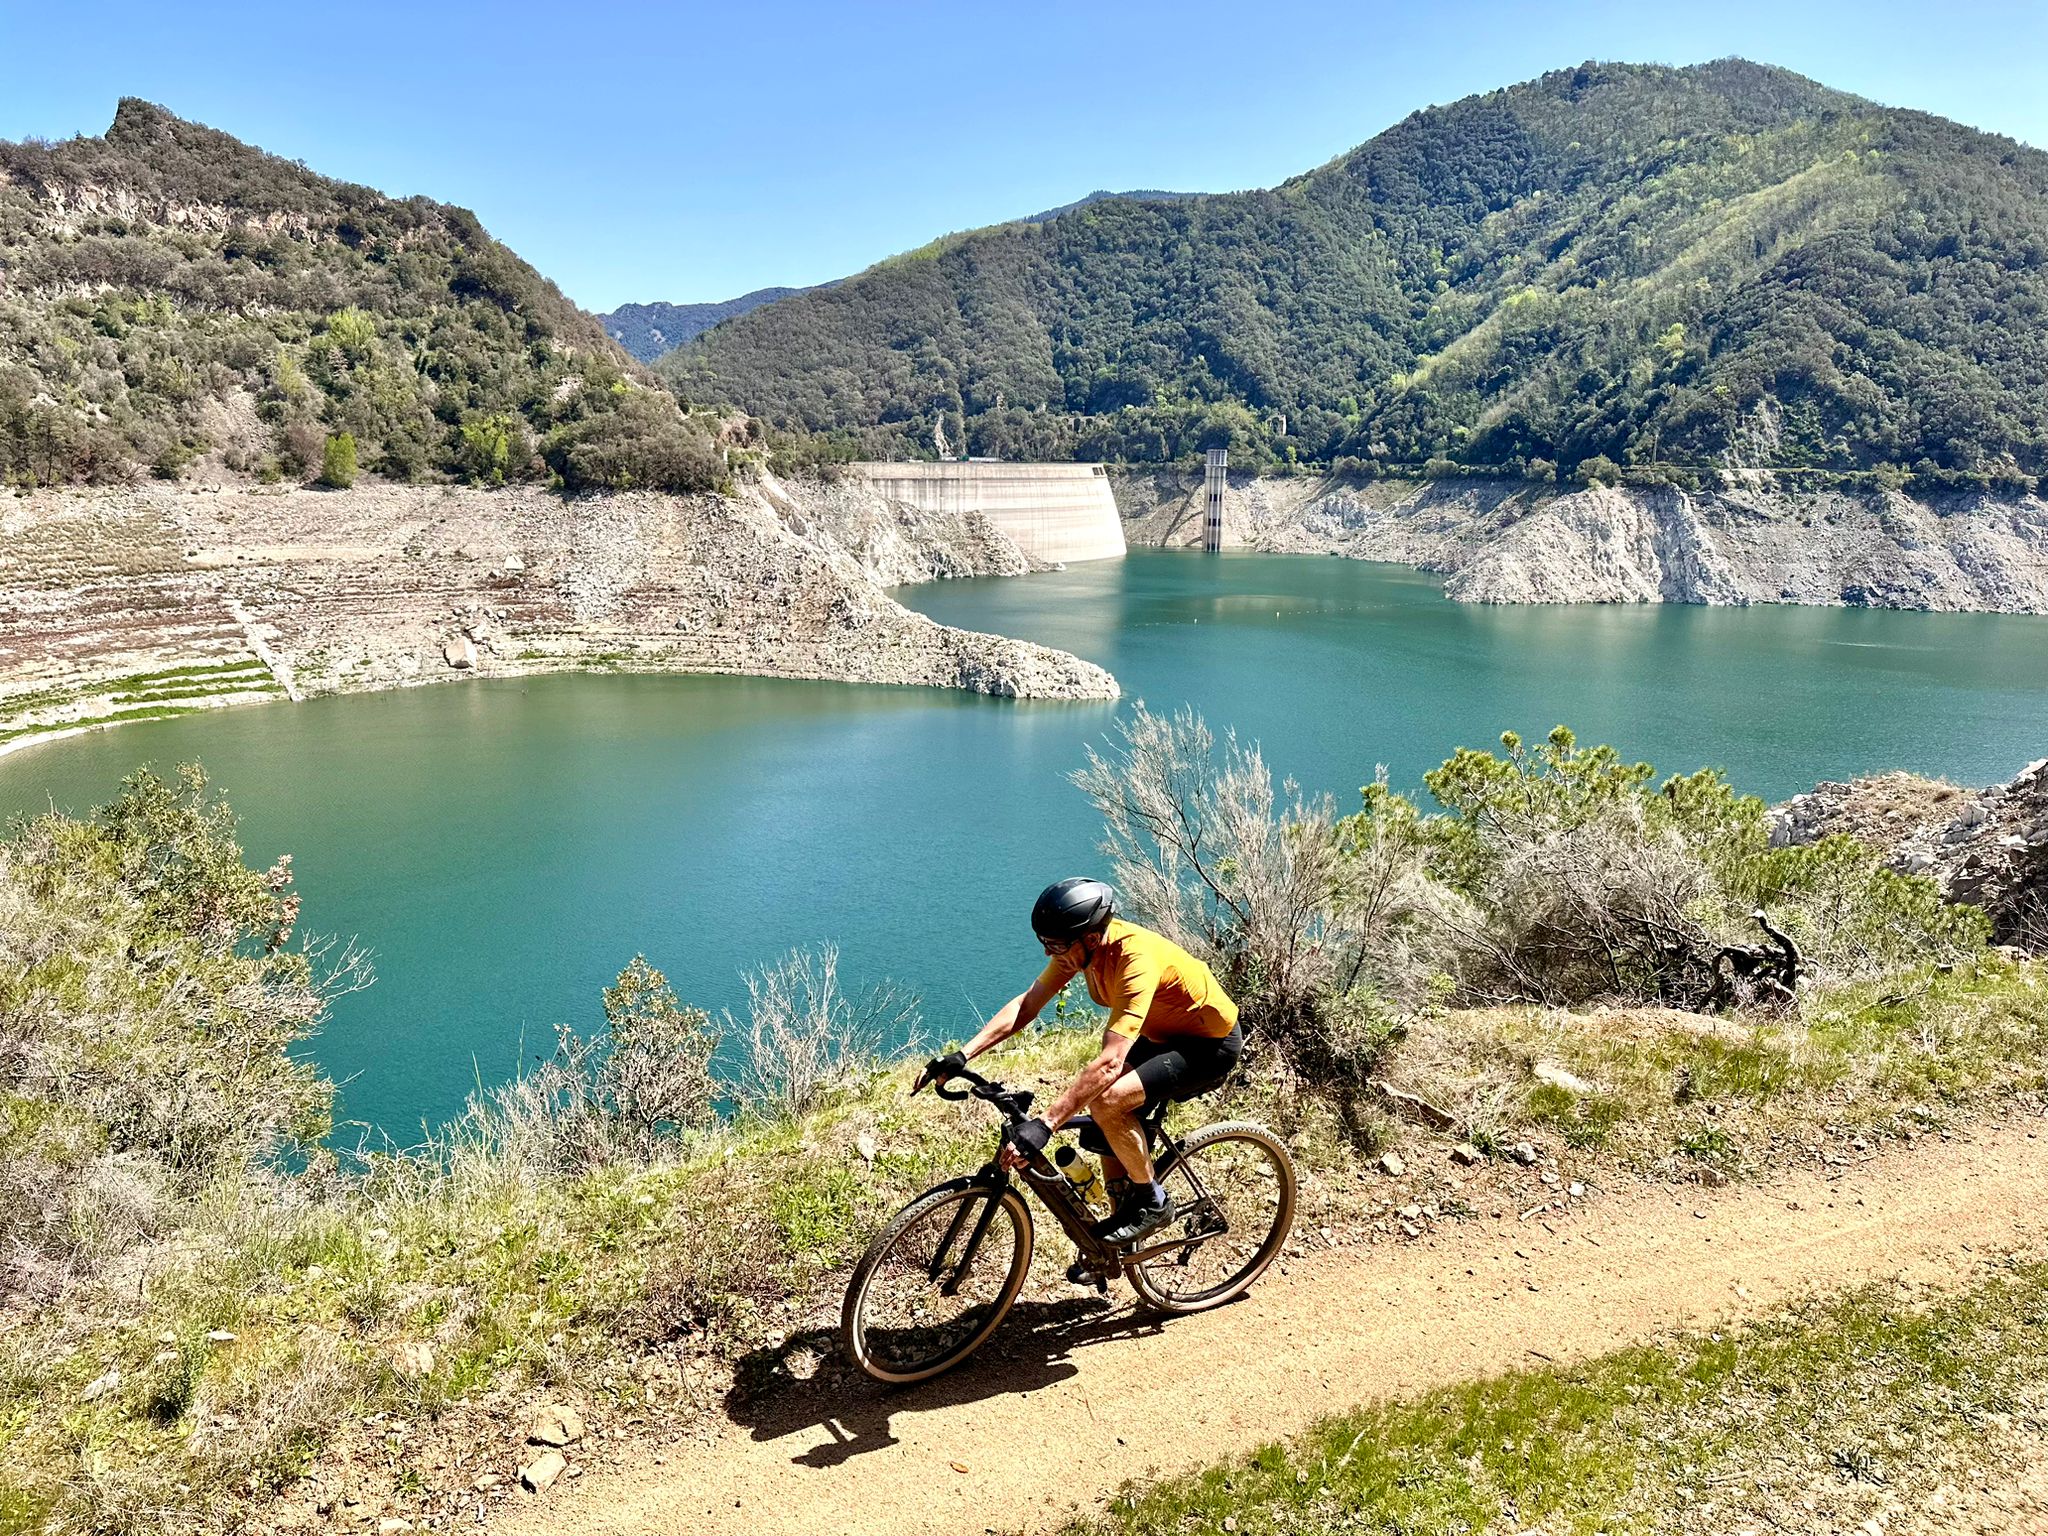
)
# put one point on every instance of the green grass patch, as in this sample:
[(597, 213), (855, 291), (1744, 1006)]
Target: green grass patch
[(237, 675), (1810, 1421), (239, 683), (1914, 1048)]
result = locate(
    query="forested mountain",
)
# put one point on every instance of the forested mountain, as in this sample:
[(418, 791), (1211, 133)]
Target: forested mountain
[(1142, 195), (649, 330), (1726, 264), (169, 294)]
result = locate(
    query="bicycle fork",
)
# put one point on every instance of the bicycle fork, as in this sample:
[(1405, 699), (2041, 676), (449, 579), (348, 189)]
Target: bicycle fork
[(950, 1286)]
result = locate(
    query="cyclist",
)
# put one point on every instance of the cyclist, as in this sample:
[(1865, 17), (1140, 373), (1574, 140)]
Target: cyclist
[(1172, 1035)]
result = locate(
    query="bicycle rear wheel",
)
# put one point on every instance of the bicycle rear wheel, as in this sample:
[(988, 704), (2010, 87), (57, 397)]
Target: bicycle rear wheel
[(1234, 1187), (936, 1281)]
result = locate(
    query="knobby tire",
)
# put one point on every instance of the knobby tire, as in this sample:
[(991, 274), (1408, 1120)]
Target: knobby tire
[(944, 1217)]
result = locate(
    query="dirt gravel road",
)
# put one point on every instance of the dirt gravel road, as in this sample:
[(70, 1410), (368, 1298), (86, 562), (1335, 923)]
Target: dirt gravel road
[(1071, 1399)]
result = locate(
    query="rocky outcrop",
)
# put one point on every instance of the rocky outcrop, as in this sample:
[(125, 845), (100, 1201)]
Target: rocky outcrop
[(144, 601), (895, 542), (1506, 541), (1988, 847)]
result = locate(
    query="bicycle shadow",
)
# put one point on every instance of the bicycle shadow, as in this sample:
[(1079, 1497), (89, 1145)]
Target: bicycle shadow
[(1031, 1351)]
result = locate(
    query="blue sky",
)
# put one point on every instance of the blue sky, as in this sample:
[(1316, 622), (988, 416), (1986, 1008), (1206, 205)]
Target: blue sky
[(642, 151)]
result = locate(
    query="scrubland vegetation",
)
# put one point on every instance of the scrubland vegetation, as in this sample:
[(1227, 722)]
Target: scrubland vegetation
[(209, 1305), (173, 297)]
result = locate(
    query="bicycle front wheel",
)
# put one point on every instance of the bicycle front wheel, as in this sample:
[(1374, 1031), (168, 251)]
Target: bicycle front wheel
[(1234, 1189), (936, 1281)]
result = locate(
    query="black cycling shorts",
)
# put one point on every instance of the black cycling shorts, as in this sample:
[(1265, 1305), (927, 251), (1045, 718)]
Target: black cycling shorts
[(1184, 1067)]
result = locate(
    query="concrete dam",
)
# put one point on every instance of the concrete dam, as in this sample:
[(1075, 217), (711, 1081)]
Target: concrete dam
[(1056, 513)]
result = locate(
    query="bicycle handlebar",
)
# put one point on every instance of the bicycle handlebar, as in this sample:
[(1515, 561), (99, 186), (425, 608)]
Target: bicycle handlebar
[(1013, 1105)]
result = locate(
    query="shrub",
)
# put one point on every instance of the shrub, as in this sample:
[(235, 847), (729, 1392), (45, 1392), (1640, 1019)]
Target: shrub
[(489, 447), (173, 459), (624, 1095), (127, 1086), (1591, 883), (1598, 470), (1309, 922), (300, 448), (635, 440), (338, 462)]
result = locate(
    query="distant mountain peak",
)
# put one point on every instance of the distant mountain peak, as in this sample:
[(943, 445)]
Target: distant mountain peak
[(650, 330)]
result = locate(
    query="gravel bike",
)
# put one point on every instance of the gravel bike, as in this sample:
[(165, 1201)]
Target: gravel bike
[(942, 1274)]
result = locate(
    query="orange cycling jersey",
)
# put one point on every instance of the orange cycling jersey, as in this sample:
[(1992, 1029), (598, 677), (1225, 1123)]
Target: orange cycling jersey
[(1149, 984)]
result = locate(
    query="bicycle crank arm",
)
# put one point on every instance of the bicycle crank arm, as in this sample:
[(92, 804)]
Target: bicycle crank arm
[(1160, 1250)]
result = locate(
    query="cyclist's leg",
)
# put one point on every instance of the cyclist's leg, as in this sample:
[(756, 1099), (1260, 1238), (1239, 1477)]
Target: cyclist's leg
[(1128, 1157), (1116, 1112)]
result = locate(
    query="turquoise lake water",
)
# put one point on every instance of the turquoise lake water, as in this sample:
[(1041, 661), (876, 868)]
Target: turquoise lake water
[(505, 847)]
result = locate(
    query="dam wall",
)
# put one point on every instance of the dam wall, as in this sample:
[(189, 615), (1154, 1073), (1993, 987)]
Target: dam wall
[(1056, 513)]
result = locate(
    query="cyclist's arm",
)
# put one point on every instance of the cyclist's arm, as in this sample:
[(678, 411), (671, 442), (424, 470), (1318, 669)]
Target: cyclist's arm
[(1014, 1015), (1093, 1079)]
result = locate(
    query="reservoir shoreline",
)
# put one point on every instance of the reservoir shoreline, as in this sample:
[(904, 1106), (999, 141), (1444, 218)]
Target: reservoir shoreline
[(150, 602), (505, 849)]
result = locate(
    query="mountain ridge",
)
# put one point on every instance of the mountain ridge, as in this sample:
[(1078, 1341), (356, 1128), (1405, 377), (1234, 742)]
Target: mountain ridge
[(652, 330), (648, 331), (176, 299), (1717, 265)]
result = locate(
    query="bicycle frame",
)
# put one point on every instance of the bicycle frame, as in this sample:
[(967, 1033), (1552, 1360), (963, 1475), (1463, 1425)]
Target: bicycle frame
[(1056, 1193)]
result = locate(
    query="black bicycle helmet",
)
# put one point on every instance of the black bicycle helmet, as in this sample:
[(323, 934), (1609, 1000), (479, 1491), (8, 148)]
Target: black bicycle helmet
[(1071, 908)]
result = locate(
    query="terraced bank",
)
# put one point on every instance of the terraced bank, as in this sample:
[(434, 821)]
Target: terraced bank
[(143, 602)]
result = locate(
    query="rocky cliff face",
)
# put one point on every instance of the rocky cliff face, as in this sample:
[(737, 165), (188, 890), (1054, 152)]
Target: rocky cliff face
[(1988, 847), (144, 601), (1508, 542), (894, 542)]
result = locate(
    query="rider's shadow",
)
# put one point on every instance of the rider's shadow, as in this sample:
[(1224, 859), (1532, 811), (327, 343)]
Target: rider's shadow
[(1029, 1352)]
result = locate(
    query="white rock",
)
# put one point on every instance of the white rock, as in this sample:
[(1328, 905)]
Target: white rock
[(459, 651), (1391, 1165), (1558, 1077), (539, 1474), (413, 1359), (99, 1386), (556, 1424)]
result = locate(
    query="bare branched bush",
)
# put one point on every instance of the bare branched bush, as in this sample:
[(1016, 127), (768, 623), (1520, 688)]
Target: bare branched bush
[(1596, 911), (1297, 910), (803, 1036), (1196, 846)]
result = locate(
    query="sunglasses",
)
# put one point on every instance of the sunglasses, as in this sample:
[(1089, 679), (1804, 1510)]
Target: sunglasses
[(1057, 946)]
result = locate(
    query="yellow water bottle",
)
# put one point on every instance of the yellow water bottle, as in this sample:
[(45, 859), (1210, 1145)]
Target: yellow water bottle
[(1082, 1173)]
